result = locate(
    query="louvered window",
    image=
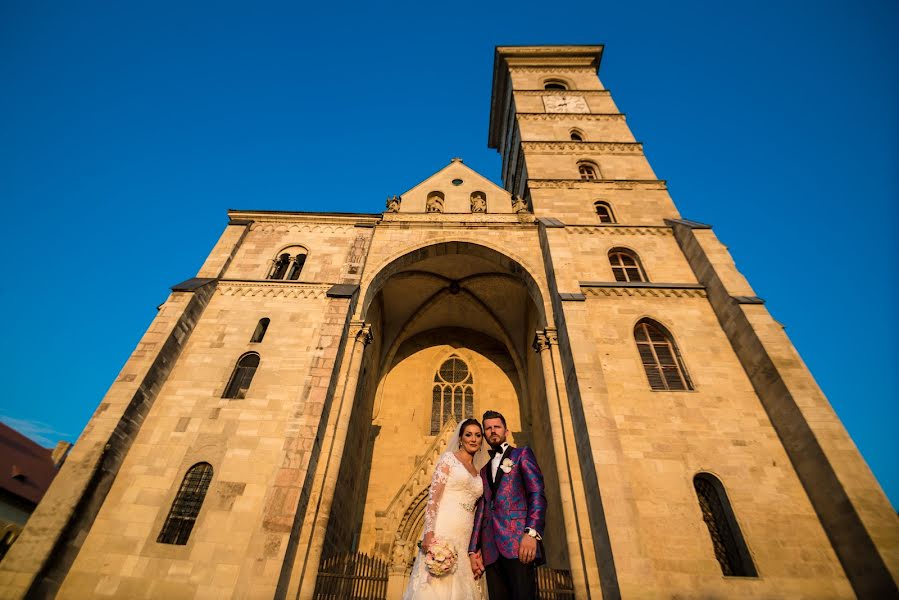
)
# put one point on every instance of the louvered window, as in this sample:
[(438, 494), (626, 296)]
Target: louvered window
[(727, 540), (242, 376), (183, 514), (661, 359), (626, 265), (452, 397)]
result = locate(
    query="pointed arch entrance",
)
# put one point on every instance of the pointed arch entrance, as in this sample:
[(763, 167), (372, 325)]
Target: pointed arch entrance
[(426, 306)]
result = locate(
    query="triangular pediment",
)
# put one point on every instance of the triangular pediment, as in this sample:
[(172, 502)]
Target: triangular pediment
[(455, 185)]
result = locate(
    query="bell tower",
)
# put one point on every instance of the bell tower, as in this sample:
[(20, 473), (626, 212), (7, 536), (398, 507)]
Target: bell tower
[(566, 148)]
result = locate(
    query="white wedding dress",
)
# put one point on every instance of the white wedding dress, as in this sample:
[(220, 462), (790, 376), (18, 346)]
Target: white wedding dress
[(452, 498)]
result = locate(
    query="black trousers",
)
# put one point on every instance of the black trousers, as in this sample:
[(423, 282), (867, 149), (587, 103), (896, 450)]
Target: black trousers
[(509, 579)]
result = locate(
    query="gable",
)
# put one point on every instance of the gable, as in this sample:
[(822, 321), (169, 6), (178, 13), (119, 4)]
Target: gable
[(454, 185)]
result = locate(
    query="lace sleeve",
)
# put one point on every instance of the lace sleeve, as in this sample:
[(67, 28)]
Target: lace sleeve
[(435, 492)]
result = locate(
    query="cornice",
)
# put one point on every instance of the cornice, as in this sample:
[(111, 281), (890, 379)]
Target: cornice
[(562, 92), (322, 218), (527, 116), (456, 220), (581, 147), (598, 184), (618, 230), (272, 289), (586, 56), (301, 227), (616, 289), (552, 69)]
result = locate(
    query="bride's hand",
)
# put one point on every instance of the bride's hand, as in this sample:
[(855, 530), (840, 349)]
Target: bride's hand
[(427, 541)]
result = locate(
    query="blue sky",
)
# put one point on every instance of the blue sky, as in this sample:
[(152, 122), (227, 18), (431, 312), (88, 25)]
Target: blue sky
[(128, 129)]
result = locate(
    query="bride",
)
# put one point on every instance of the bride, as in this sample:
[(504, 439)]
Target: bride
[(455, 490)]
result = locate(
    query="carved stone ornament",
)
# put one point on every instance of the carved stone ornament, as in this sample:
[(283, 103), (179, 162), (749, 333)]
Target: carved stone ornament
[(402, 554), (364, 335), (393, 203), (435, 204), (478, 202), (518, 205), (540, 342)]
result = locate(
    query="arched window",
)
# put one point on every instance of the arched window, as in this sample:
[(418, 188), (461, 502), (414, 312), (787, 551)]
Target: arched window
[(727, 540), (297, 267), (626, 265), (242, 376), (555, 84), (661, 359), (604, 212), (587, 171), (186, 507), (261, 328), (280, 266), (453, 394), (289, 263), (577, 135)]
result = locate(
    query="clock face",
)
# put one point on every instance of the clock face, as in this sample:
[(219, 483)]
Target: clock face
[(565, 104)]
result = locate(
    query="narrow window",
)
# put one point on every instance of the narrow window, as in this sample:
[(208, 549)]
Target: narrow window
[(279, 268), (186, 507), (453, 396), (604, 212), (261, 328), (576, 136), (242, 376), (727, 540), (587, 171), (296, 267), (626, 265), (660, 356), (554, 84)]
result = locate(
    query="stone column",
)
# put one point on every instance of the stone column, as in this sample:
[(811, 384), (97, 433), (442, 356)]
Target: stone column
[(302, 585), (585, 576)]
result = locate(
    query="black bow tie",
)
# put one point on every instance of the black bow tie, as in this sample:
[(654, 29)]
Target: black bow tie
[(493, 452)]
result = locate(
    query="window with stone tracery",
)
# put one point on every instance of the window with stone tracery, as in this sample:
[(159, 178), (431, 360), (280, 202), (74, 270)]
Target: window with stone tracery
[(453, 394), (288, 264)]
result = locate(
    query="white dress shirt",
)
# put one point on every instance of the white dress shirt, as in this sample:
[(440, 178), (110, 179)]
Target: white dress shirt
[(498, 457)]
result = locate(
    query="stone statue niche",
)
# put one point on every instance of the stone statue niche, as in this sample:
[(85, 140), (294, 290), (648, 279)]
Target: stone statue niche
[(435, 202), (478, 202)]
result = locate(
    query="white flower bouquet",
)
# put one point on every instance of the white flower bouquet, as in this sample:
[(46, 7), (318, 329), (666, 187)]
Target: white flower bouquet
[(441, 558)]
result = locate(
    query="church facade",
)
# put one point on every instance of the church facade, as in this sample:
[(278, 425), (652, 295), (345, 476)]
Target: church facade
[(286, 406)]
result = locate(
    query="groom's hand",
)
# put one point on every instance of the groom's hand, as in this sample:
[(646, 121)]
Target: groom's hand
[(527, 549)]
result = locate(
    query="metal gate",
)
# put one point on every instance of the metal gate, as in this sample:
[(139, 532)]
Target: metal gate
[(352, 577), (554, 584)]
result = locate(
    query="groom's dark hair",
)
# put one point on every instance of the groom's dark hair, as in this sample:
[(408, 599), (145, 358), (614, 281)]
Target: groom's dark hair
[(492, 414)]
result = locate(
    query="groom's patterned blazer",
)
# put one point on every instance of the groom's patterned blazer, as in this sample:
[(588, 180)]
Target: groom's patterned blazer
[(510, 504)]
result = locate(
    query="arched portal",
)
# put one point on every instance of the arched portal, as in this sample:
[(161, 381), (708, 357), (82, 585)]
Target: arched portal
[(457, 303)]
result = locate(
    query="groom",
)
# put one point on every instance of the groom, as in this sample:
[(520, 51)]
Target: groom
[(508, 524)]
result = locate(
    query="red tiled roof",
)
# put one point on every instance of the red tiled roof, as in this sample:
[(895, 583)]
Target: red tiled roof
[(31, 463)]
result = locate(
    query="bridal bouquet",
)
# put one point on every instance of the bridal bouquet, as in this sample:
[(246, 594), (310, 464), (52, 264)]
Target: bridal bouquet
[(440, 558)]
